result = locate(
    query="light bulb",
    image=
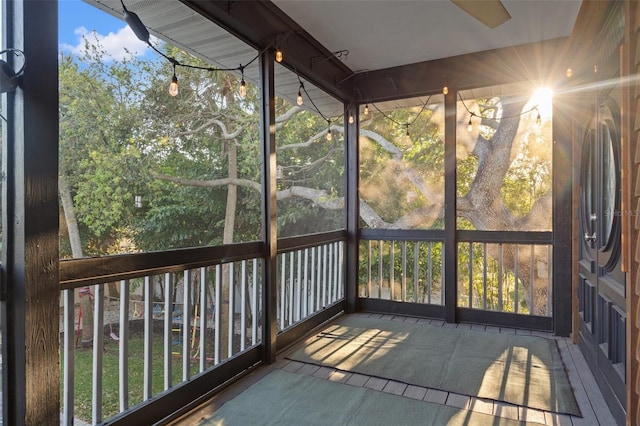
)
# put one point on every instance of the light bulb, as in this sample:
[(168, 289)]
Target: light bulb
[(279, 56), (569, 73), (351, 118), (445, 90), (173, 87), (470, 125), (299, 98), (329, 136), (243, 89), (407, 134), (366, 109), (538, 119)]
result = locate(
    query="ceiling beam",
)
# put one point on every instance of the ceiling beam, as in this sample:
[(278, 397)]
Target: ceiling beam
[(545, 62), (259, 22)]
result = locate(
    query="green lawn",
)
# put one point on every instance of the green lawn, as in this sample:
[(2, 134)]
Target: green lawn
[(110, 394)]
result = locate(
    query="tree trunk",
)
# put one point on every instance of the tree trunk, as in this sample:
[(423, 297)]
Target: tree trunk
[(84, 294), (227, 238)]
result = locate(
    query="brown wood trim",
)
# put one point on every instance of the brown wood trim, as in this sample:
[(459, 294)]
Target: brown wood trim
[(402, 234), (311, 240), (629, 146), (97, 270)]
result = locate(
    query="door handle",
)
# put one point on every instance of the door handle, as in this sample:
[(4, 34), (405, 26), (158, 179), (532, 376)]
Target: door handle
[(590, 238)]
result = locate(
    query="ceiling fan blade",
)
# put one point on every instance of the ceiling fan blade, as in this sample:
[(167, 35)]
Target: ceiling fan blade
[(490, 12)]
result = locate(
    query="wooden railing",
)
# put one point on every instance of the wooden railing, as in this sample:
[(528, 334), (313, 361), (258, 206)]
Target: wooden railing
[(175, 320), (160, 320), (310, 276), (405, 266), (506, 272)]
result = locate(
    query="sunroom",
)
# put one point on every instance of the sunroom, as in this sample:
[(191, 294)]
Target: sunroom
[(285, 212)]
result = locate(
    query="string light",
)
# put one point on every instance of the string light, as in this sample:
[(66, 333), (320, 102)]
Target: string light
[(407, 124), (329, 135), (173, 87), (243, 85), (445, 90), (279, 56), (139, 29), (299, 100), (472, 114), (569, 73), (351, 119), (366, 109)]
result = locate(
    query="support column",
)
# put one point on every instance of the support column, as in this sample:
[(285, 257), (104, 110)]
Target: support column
[(562, 217), (352, 205), (450, 193), (30, 284), (269, 216)]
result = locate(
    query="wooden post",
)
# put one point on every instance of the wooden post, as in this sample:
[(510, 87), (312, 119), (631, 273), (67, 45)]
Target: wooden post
[(269, 226), (30, 303), (450, 210), (352, 204)]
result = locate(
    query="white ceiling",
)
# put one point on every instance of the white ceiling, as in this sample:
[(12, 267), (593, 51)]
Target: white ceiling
[(377, 33), (386, 33)]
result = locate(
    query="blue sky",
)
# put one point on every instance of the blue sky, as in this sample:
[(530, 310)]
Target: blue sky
[(77, 20)]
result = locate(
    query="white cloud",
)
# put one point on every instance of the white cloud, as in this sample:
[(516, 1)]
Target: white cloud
[(116, 46)]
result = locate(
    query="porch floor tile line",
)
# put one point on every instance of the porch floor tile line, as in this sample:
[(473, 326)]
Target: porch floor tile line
[(437, 396), (591, 415)]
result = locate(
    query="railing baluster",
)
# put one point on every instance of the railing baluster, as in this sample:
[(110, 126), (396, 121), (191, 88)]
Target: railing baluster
[(168, 329), (416, 271), (324, 275), (283, 287), (147, 390), (500, 280), (319, 280), (203, 319), (98, 347), (380, 269), (442, 275), (305, 283), (470, 275), (515, 278), (392, 277), (369, 294), (298, 289), (186, 325), (339, 269), (403, 296), (217, 348), (331, 281), (485, 267), (254, 304), (290, 296), (313, 279), (243, 305), (68, 357), (531, 280), (430, 272), (232, 305), (123, 343)]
